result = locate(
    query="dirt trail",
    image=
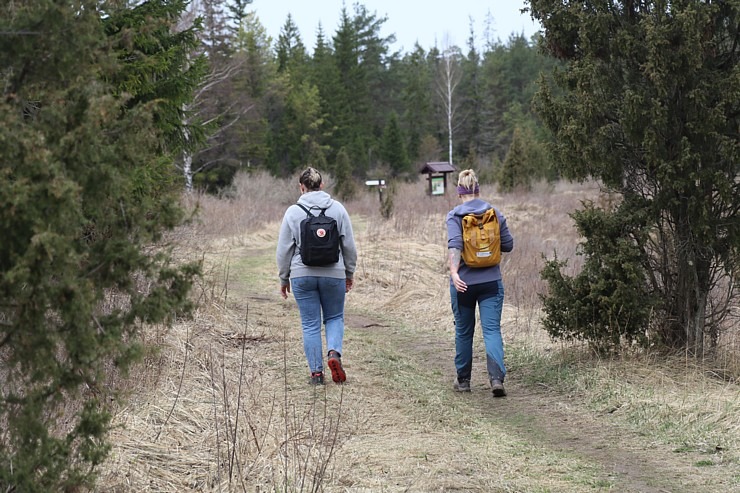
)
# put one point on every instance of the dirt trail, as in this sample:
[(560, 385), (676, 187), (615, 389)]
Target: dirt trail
[(629, 463), (552, 434), (532, 440)]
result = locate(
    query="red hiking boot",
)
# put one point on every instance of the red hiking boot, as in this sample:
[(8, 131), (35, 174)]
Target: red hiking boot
[(335, 365)]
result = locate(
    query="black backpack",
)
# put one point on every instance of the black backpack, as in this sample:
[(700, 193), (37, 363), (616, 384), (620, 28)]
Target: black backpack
[(319, 239)]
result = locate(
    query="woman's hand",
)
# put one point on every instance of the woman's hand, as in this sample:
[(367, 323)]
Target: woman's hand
[(459, 284), (454, 261), (284, 290), (350, 283)]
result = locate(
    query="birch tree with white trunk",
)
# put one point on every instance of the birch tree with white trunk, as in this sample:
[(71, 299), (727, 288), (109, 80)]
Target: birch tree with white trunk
[(448, 80), (200, 110)]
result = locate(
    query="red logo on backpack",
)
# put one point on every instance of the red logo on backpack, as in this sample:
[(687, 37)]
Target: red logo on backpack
[(320, 233)]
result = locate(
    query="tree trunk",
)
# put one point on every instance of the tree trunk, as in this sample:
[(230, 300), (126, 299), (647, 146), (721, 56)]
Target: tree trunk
[(691, 290), (187, 170), (447, 84)]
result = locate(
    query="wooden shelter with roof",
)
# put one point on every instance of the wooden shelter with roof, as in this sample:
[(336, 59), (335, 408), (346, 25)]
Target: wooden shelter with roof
[(437, 176)]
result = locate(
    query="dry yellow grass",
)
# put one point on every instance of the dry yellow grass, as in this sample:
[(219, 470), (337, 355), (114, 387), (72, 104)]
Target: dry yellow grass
[(223, 405)]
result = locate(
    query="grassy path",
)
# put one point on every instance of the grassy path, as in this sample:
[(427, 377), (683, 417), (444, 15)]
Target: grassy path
[(225, 405), (404, 429)]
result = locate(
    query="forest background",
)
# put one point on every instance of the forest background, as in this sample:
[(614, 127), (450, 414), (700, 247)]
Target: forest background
[(352, 106)]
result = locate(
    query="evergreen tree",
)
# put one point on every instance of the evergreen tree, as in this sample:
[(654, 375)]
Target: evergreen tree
[(438, 113), (291, 52), (345, 187), (361, 102), (324, 75), (416, 100), (254, 48), (216, 33), (608, 304), (158, 66), (649, 106), (253, 51), (516, 170), (394, 148), (375, 62), (509, 74), (238, 15), (349, 101), (295, 124), (469, 141), (86, 154)]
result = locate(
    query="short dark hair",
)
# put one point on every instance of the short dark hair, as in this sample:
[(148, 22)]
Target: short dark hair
[(311, 179)]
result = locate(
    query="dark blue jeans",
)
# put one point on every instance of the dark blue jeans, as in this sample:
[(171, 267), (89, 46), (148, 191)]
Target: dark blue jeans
[(317, 296), (489, 297)]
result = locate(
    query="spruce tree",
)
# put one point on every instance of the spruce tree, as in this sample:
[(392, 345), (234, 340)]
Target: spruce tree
[(344, 186), (324, 75), (394, 147), (86, 193), (516, 170), (417, 100), (291, 52)]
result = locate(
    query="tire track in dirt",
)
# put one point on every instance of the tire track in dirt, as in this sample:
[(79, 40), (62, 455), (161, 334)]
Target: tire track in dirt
[(631, 463)]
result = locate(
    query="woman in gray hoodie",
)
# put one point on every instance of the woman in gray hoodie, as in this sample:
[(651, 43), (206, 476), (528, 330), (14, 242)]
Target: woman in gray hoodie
[(318, 290)]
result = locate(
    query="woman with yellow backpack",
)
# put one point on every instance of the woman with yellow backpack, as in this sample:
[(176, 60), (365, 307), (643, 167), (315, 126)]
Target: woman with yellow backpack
[(476, 235)]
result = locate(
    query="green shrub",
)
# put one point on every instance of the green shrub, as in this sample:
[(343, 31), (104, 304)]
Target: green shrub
[(607, 303)]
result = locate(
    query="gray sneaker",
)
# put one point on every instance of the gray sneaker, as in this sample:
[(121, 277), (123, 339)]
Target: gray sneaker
[(497, 386), (461, 385), (317, 378)]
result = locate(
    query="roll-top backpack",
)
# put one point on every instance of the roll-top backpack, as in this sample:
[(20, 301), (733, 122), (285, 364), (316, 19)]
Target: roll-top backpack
[(481, 239), (319, 238)]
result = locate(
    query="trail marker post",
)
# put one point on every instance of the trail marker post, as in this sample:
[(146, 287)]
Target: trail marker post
[(377, 183)]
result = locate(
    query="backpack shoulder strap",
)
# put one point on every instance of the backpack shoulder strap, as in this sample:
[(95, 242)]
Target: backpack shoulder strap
[(323, 211), (307, 211)]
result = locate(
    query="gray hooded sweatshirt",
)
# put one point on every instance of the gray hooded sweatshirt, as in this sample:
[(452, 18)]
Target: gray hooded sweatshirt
[(289, 241)]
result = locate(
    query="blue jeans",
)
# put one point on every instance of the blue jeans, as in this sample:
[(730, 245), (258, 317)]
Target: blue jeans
[(490, 301), (316, 296)]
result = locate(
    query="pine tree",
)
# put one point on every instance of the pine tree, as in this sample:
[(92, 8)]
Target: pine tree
[(87, 183), (254, 48), (159, 66), (295, 126), (253, 51)]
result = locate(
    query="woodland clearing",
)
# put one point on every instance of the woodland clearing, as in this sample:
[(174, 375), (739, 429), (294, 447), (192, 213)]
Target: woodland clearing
[(221, 401)]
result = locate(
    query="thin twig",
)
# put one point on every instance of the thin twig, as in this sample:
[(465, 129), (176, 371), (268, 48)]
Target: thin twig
[(179, 385), (215, 419), (234, 457)]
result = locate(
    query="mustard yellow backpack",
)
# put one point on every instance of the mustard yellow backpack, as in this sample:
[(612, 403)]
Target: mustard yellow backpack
[(481, 239)]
